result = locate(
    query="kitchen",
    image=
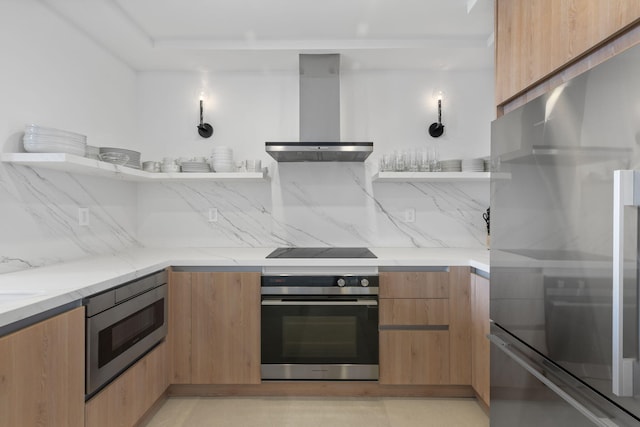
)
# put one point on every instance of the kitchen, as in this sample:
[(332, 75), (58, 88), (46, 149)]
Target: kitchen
[(78, 84), (70, 83), (155, 112)]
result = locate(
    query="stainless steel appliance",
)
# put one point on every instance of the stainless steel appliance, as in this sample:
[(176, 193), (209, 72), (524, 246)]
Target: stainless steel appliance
[(319, 117), (564, 253), (123, 324), (320, 323)]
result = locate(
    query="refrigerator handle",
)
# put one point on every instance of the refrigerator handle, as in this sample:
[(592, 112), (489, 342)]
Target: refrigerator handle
[(626, 192), (512, 353)]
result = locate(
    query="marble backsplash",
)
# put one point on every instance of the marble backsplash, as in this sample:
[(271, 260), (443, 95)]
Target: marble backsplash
[(313, 204), (39, 217), (310, 204)]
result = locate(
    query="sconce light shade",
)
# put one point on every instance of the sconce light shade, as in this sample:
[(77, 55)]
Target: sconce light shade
[(205, 130), (437, 129)]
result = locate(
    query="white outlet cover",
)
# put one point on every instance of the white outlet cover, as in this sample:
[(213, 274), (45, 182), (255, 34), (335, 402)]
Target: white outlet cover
[(410, 215), (83, 217), (213, 215)]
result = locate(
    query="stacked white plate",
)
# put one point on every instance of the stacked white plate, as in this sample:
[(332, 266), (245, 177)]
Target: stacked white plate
[(134, 156), (222, 159), (38, 139), (451, 165), (198, 167), (473, 165)]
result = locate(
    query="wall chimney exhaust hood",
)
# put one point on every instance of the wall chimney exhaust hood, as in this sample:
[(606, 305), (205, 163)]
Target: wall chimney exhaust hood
[(319, 117)]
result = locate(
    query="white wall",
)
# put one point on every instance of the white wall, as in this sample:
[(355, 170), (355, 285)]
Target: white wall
[(321, 203), (52, 75), (392, 108)]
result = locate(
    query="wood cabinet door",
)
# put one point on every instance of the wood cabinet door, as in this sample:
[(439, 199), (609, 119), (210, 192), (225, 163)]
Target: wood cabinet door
[(535, 39), (179, 328), (439, 305), (225, 328), (126, 400), (460, 325), (42, 373), (414, 357), (479, 341)]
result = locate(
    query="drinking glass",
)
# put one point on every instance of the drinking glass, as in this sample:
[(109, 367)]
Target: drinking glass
[(423, 160), (400, 163), (434, 159), (386, 163), (413, 163)]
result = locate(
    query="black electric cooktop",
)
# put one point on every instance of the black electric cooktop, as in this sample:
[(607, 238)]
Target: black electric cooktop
[(322, 253)]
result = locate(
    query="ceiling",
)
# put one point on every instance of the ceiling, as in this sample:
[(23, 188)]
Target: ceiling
[(234, 35)]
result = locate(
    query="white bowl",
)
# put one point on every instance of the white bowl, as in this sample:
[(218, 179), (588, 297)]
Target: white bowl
[(114, 157)]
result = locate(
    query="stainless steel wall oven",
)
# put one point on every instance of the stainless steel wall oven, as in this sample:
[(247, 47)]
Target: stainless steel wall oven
[(320, 326), (123, 324)]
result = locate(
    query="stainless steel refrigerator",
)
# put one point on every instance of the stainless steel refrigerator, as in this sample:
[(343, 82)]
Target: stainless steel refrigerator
[(565, 190)]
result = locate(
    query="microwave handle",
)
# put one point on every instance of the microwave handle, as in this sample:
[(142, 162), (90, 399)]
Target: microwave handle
[(626, 192)]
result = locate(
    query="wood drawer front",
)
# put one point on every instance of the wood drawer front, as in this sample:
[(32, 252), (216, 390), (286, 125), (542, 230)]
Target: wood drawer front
[(415, 284), (414, 357), (414, 312), (129, 397)]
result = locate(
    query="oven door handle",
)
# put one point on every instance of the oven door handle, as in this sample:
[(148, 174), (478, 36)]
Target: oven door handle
[(289, 302)]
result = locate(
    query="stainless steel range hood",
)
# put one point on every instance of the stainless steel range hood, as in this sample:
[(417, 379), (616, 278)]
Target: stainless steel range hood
[(319, 117)]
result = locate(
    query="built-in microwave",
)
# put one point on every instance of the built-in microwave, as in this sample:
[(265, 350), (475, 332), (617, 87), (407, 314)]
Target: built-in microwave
[(122, 325)]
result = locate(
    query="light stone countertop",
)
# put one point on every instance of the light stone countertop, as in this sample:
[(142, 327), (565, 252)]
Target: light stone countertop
[(35, 291)]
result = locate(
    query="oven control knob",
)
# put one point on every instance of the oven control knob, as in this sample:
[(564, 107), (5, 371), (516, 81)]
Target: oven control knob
[(364, 282), (341, 282)]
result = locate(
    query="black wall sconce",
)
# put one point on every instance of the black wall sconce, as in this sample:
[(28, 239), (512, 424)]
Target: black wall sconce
[(437, 129), (204, 129)]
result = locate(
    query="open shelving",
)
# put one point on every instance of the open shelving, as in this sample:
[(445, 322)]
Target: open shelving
[(431, 177), (81, 165)]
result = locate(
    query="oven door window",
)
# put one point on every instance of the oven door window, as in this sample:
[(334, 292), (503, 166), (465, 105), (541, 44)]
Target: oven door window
[(322, 334), (120, 336)]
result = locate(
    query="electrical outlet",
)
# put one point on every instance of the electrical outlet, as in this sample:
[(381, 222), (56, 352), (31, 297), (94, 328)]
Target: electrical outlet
[(410, 215), (83, 217), (213, 215)]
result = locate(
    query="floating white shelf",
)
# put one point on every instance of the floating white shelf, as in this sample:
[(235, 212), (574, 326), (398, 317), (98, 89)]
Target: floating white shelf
[(75, 164), (431, 176)]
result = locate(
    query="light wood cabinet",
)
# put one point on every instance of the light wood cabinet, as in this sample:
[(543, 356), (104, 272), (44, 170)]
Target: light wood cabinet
[(225, 328), (414, 357), (535, 39), (214, 327), (480, 345), (42, 373), (126, 400), (179, 328), (425, 327)]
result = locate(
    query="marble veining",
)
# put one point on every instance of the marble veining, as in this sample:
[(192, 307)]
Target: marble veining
[(314, 204), (303, 204), (69, 282), (40, 217)]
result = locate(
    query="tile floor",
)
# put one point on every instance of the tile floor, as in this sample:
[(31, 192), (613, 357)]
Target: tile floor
[(318, 412)]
